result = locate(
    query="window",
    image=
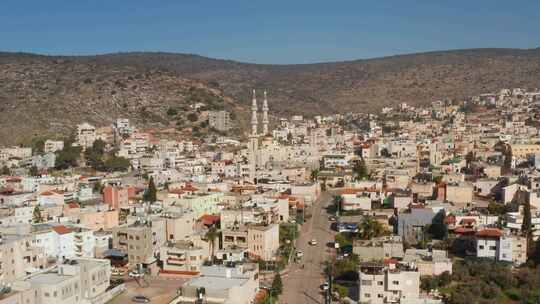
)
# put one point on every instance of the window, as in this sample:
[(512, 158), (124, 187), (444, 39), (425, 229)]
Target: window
[(55, 294), (380, 296), (481, 247), (492, 247), (380, 283), (366, 282), (46, 294), (395, 282), (367, 295)]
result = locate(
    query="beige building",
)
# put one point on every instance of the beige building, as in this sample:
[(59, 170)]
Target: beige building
[(393, 283), (378, 248), (73, 282), (459, 193), (179, 226), (182, 257), (222, 285), (429, 262), (141, 240), (18, 257), (260, 240)]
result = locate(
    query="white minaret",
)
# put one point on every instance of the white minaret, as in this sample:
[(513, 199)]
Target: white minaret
[(254, 115), (265, 115), (253, 140)]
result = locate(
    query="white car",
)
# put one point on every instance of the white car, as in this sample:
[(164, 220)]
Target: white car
[(135, 274), (299, 254), (325, 286), (313, 242)]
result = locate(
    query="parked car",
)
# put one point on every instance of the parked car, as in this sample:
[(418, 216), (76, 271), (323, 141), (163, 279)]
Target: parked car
[(299, 254), (313, 242), (118, 272), (135, 274), (140, 299), (325, 286)]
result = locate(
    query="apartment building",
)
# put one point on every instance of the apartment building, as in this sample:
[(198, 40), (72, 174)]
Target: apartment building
[(262, 241), (220, 120), (18, 257), (429, 262), (52, 146), (115, 197), (378, 248), (496, 244), (182, 257), (222, 285), (75, 281), (141, 240), (86, 135), (391, 283)]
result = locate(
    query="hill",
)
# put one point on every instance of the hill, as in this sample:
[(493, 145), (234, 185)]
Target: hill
[(42, 92), (42, 95)]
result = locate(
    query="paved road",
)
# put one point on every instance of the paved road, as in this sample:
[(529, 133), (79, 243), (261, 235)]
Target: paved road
[(303, 285)]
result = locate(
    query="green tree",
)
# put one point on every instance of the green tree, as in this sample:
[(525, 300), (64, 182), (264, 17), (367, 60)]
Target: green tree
[(36, 215), (150, 195), (360, 170), (116, 163), (277, 284), (5, 170), (33, 171), (438, 229), (172, 111), (193, 117), (370, 228), (211, 236), (94, 154), (67, 157), (341, 290)]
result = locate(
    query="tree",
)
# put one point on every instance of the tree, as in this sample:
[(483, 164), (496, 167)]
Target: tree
[(370, 228), (36, 215), (341, 290), (438, 229), (150, 195), (94, 154), (211, 236), (5, 171), (277, 284), (172, 111), (116, 163), (360, 170), (314, 174), (33, 171), (193, 117), (67, 157)]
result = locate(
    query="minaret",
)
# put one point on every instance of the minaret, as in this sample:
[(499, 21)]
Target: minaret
[(254, 115), (253, 141), (265, 115)]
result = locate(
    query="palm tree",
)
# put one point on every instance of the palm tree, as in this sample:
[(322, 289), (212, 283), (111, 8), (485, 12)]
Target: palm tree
[(211, 236), (370, 228)]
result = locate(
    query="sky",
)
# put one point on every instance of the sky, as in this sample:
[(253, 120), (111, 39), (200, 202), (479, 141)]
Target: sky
[(271, 31)]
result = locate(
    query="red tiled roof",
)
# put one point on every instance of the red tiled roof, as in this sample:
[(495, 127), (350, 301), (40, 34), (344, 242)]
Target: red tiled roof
[(61, 229), (490, 232), (209, 219), (189, 187), (73, 205)]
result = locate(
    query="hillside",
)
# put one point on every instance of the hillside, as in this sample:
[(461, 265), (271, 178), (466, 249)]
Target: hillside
[(49, 95), (40, 93)]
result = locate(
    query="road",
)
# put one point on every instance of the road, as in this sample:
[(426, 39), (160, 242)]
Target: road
[(303, 285)]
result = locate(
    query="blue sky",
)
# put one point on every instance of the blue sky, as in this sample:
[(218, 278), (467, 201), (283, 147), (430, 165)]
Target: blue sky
[(271, 31)]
